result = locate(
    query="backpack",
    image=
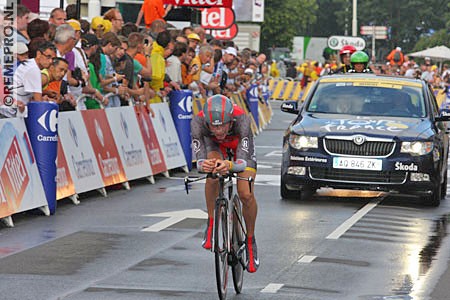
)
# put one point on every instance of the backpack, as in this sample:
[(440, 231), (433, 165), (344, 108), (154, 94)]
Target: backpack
[(397, 56)]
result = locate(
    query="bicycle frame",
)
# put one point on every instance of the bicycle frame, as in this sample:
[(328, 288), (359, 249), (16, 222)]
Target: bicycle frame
[(228, 242)]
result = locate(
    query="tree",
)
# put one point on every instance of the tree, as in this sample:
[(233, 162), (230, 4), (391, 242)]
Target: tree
[(284, 19)]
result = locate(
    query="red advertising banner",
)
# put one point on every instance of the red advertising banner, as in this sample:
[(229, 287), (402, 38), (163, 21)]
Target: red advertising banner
[(217, 18), (105, 149), (64, 182), (225, 34), (14, 179), (151, 141), (200, 3)]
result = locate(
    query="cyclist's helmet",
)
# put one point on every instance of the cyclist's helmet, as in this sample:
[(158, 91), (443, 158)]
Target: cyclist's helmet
[(218, 110), (359, 57), (347, 50)]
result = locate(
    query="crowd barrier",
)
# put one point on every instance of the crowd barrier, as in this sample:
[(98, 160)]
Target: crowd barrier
[(284, 89), (98, 148)]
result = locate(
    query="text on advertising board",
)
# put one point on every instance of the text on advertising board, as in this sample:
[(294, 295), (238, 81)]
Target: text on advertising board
[(226, 34), (217, 18)]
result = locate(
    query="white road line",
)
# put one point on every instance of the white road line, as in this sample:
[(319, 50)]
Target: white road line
[(272, 288), (268, 147), (352, 220), (306, 259), (276, 153)]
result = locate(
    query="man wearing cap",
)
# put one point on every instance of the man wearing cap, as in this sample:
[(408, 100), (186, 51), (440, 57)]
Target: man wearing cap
[(193, 41), (81, 70), (152, 10)]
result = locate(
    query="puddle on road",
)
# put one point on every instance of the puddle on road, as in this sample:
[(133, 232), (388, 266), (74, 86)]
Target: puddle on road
[(416, 279)]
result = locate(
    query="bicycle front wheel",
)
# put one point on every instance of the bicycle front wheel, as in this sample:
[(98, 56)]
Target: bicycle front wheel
[(238, 244), (221, 248)]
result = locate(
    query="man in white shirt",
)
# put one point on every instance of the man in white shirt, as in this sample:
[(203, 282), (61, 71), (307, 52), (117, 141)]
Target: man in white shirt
[(173, 66), (27, 78)]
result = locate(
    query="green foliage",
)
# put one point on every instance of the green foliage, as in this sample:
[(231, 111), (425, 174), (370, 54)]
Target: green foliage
[(284, 19), (439, 38)]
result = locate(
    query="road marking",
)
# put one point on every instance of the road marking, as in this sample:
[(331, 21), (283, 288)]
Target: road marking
[(306, 259), (276, 153), (260, 166), (272, 288), (173, 218), (352, 220), (269, 147), (266, 179)]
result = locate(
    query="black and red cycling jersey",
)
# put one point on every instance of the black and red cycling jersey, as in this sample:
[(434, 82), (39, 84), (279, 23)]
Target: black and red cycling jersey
[(239, 139)]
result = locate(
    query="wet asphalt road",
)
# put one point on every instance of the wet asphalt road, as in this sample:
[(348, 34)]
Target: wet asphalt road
[(327, 248)]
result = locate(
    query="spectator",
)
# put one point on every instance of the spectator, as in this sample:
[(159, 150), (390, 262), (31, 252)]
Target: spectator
[(194, 41), (57, 16), (22, 53), (21, 23), (159, 64), (396, 57), (128, 28), (71, 12), (115, 17), (173, 66), (98, 26), (85, 26), (186, 70), (200, 31), (38, 28), (152, 10), (157, 27), (27, 78), (65, 40), (51, 82)]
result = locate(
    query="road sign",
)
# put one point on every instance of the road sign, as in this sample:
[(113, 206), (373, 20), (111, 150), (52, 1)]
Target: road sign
[(371, 30), (336, 42)]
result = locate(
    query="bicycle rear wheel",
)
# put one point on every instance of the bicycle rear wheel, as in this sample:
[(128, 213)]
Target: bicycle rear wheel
[(238, 241), (221, 249)]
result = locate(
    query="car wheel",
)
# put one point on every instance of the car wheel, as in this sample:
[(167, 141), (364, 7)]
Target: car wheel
[(444, 186), (294, 194), (434, 199)]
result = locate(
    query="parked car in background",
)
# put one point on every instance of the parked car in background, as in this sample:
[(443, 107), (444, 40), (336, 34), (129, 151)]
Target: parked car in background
[(367, 132)]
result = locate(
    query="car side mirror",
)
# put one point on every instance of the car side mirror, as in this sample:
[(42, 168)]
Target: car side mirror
[(290, 106), (444, 115)]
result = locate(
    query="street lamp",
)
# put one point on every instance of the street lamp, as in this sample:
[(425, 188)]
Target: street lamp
[(354, 20)]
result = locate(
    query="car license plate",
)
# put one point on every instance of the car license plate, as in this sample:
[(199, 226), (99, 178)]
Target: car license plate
[(357, 163)]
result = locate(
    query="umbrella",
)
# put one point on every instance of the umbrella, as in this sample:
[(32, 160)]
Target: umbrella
[(438, 53)]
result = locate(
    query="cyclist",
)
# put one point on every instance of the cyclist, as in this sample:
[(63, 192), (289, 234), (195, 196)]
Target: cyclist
[(359, 61), (344, 55), (220, 126)]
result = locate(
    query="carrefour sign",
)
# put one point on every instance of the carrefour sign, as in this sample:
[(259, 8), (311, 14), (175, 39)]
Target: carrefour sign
[(336, 42)]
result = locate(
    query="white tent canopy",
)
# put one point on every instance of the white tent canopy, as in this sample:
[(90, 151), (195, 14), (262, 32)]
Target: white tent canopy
[(438, 53)]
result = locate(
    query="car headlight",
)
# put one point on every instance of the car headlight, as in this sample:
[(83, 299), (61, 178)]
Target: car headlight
[(417, 148), (302, 141)]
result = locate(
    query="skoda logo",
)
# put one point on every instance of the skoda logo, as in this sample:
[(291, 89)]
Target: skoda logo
[(359, 139)]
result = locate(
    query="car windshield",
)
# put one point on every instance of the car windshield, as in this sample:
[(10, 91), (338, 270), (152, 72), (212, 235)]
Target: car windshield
[(368, 98)]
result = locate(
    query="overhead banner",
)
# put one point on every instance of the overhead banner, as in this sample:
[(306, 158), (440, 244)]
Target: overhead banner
[(167, 136), (151, 142), (125, 130), (200, 3), (64, 183), (105, 149), (81, 159), (20, 183)]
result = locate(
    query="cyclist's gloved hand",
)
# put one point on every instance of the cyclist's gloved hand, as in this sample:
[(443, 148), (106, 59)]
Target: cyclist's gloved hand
[(222, 167), (208, 165)]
